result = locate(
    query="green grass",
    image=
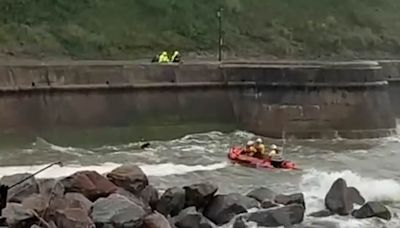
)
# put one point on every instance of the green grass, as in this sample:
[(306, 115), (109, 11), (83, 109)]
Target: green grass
[(131, 29)]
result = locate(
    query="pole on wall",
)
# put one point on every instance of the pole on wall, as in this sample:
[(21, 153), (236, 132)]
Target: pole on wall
[(220, 37)]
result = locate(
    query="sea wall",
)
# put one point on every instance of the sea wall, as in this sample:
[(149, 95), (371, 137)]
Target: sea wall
[(304, 100)]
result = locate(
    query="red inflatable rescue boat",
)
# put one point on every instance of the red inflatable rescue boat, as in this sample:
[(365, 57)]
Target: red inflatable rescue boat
[(235, 154)]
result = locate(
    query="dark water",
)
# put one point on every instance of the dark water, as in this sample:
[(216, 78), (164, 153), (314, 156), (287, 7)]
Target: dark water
[(370, 165)]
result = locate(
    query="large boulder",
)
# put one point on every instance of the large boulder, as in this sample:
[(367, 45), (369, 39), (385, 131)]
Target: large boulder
[(117, 211), (171, 202), (150, 196), (137, 200), (372, 209), (297, 198), (199, 195), (36, 202), (156, 220), (190, 218), (50, 187), (130, 177), (78, 201), (91, 184), (22, 190), (268, 204), (247, 202), (261, 194), (73, 217), (18, 216), (340, 198), (353, 195), (283, 216), (222, 208)]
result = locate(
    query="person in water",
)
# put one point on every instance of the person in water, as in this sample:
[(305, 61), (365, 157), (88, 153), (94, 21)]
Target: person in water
[(275, 156), (260, 148), (250, 150)]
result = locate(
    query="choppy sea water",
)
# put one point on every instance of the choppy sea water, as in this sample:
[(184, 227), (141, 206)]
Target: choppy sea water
[(369, 165)]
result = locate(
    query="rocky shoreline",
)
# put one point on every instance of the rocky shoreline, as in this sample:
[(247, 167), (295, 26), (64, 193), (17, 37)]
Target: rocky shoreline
[(124, 198)]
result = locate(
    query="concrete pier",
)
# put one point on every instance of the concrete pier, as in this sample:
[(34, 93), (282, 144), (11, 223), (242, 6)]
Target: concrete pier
[(302, 100)]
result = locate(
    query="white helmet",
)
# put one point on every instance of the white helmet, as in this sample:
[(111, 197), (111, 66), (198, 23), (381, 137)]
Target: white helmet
[(259, 140), (250, 143), (273, 147)]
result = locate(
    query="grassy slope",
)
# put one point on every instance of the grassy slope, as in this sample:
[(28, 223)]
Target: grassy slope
[(94, 29)]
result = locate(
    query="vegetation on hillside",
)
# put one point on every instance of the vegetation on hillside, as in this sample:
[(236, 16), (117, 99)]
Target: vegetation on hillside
[(120, 29)]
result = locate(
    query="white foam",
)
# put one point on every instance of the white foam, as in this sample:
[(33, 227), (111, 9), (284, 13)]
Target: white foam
[(164, 169), (315, 184)]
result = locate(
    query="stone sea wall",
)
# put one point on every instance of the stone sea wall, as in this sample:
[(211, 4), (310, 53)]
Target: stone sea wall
[(299, 99)]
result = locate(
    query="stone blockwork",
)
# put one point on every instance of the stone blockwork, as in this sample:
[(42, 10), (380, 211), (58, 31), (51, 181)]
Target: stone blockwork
[(304, 100)]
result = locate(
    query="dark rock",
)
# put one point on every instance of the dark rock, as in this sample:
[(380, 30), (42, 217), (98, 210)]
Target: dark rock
[(36, 202), (117, 211), (247, 202), (261, 194), (50, 187), (73, 217), (172, 201), (150, 196), (355, 196), (129, 177), (137, 200), (222, 208), (156, 220), (199, 195), (340, 198), (321, 214), (78, 201), (283, 216), (297, 198), (21, 191), (372, 209), (268, 204), (190, 218), (19, 217), (239, 223), (91, 184)]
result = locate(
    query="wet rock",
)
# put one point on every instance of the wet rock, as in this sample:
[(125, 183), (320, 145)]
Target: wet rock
[(36, 202), (355, 196), (117, 211), (372, 209), (78, 201), (190, 218), (268, 204), (199, 195), (222, 208), (19, 217), (283, 216), (321, 214), (156, 220), (340, 198), (318, 224), (50, 187), (172, 201), (73, 217), (129, 177), (297, 198), (137, 200), (247, 202), (150, 196), (261, 194), (239, 223), (21, 191), (91, 184)]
